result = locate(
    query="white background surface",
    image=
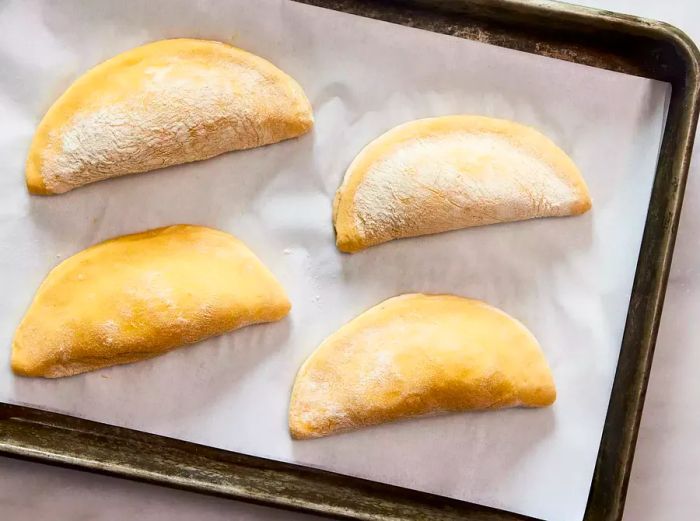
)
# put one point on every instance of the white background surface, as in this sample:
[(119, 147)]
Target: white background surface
[(665, 475)]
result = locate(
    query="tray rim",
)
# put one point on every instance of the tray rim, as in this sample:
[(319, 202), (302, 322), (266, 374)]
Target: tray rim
[(34, 434)]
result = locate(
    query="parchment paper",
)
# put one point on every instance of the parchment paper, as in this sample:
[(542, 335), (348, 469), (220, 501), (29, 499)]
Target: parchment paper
[(567, 279)]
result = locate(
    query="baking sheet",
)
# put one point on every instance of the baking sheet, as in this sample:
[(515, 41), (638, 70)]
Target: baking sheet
[(568, 280)]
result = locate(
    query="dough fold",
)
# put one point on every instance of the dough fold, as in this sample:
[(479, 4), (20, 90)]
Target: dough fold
[(415, 355), (138, 296), (439, 174), (162, 104)]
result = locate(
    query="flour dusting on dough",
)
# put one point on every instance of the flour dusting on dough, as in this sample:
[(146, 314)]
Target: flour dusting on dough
[(143, 295), (417, 355), (108, 330), (449, 182), (439, 174), (185, 107)]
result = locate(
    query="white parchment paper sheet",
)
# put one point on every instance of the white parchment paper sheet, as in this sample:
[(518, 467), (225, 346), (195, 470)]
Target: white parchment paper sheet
[(568, 279)]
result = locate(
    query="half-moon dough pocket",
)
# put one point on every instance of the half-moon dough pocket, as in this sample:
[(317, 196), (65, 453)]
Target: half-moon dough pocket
[(138, 296), (415, 355), (162, 104), (439, 174)]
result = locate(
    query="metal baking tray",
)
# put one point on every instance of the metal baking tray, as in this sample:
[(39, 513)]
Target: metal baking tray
[(587, 36)]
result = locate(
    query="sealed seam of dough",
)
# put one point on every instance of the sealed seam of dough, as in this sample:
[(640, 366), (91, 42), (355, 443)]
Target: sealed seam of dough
[(162, 104), (138, 296), (439, 174), (416, 355)]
